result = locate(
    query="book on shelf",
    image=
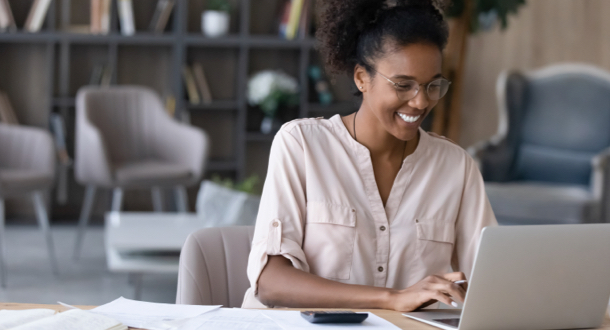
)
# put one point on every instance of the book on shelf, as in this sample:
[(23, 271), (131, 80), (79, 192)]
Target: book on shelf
[(100, 16), (105, 15), (191, 87), (126, 17), (48, 319), (7, 114), (170, 105), (7, 20), (202, 83), (106, 78), (161, 16), (293, 20), (36, 16), (101, 75), (284, 16), (96, 74), (58, 127), (96, 16), (305, 20)]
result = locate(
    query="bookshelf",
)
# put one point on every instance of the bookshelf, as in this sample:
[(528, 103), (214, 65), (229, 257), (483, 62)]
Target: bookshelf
[(41, 72)]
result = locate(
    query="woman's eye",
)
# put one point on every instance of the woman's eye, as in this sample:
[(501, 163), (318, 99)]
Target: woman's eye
[(404, 87)]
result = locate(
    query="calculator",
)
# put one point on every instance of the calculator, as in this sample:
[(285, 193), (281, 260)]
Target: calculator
[(334, 316)]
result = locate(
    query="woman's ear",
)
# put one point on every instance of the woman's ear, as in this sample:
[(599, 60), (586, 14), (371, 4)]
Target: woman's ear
[(360, 78)]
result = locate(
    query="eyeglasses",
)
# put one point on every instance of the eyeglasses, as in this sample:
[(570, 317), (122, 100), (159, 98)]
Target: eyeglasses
[(408, 89)]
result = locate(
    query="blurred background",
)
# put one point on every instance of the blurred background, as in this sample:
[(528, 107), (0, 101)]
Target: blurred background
[(163, 112)]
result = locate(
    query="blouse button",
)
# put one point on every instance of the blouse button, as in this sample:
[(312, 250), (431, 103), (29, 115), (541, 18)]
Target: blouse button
[(275, 224), (382, 228), (380, 269)]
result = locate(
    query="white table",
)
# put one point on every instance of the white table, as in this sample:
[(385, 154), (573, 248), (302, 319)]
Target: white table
[(146, 242)]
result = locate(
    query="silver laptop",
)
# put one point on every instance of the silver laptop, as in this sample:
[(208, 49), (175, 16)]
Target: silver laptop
[(534, 277)]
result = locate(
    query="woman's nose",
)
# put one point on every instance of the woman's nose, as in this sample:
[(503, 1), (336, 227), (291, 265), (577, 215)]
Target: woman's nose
[(420, 101)]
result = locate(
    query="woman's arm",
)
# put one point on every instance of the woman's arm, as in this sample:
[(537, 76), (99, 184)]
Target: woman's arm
[(280, 284)]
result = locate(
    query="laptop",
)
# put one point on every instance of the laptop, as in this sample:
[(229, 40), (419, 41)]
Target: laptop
[(534, 277)]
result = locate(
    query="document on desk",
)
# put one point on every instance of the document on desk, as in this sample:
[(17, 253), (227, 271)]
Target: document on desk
[(141, 314), (231, 319), (236, 318), (289, 320)]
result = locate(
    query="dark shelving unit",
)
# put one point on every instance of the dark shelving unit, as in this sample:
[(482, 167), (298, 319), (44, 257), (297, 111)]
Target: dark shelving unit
[(155, 60)]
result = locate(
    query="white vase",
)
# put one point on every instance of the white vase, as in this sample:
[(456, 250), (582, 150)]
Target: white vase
[(215, 23)]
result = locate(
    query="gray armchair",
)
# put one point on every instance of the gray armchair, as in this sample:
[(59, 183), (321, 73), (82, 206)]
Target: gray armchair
[(213, 264), (550, 161), (126, 140), (27, 167)]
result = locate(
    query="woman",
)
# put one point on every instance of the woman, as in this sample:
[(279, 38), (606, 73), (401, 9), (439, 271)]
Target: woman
[(369, 210)]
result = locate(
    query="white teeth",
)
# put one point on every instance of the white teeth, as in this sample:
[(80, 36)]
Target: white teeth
[(409, 119)]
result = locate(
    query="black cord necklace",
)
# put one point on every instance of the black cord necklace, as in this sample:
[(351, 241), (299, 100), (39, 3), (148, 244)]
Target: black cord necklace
[(403, 149)]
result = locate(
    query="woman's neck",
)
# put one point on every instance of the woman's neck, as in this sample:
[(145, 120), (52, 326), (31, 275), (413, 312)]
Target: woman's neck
[(376, 138)]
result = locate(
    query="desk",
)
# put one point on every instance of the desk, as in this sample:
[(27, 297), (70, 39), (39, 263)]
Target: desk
[(394, 317)]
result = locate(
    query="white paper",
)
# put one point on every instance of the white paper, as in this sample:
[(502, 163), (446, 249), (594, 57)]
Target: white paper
[(10, 319), (289, 320), (231, 319), (74, 319), (140, 314)]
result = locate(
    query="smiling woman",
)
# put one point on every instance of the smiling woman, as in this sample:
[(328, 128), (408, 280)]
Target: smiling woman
[(369, 210)]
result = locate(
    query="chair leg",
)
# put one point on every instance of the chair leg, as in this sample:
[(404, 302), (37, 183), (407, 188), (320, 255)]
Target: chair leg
[(43, 222), (84, 219), (2, 246), (157, 198), (117, 199), (181, 199)]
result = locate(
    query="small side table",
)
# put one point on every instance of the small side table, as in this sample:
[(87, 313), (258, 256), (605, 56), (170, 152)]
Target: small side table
[(146, 242)]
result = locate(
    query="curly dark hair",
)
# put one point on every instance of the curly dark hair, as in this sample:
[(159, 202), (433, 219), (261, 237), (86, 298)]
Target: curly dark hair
[(359, 31)]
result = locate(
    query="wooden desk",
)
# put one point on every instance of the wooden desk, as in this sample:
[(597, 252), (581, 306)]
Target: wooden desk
[(395, 317)]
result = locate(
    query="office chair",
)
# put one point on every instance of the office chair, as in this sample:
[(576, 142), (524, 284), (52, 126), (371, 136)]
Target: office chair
[(550, 160), (126, 140), (27, 167), (213, 264)]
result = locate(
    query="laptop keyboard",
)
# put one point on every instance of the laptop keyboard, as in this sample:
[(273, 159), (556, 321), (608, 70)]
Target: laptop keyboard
[(451, 322)]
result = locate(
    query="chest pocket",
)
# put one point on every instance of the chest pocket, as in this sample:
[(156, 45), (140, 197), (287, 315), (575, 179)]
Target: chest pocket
[(435, 240), (328, 243)]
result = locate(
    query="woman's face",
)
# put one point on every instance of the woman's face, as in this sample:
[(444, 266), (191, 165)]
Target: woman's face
[(420, 62)]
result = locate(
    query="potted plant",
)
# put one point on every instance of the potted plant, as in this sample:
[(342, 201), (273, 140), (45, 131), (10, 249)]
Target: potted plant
[(271, 90), (215, 19), (222, 202)]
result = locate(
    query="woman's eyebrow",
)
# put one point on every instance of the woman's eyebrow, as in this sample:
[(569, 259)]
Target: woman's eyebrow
[(402, 76)]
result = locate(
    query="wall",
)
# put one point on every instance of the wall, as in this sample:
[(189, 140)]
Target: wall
[(544, 32)]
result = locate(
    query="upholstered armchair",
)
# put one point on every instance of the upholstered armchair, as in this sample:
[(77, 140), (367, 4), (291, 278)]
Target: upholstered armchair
[(550, 160), (126, 140), (27, 168)]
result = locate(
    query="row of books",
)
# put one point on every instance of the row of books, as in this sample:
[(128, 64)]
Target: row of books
[(196, 84), (101, 9), (33, 23), (295, 19), (100, 17)]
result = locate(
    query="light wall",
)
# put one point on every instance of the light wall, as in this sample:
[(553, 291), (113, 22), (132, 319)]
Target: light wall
[(544, 32)]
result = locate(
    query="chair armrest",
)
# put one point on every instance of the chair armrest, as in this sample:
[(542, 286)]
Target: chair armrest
[(600, 181), (478, 149), (92, 165), (183, 144)]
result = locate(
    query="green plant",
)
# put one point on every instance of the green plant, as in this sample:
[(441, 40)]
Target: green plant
[(219, 5), (248, 185), (485, 13)]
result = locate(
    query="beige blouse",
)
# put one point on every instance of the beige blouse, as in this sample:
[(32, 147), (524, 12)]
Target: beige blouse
[(322, 210)]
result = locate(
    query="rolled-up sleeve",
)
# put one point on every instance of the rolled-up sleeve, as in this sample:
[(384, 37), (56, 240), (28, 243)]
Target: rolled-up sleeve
[(281, 216), (475, 213)]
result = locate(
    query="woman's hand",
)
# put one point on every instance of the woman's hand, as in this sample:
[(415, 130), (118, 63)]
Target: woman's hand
[(428, 291)]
